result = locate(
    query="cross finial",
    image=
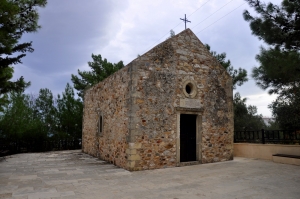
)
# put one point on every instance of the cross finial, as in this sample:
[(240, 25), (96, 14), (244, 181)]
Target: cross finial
[(185, 20)]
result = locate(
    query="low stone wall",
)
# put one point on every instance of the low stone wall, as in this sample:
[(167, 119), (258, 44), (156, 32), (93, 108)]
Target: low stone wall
[(263, 151)]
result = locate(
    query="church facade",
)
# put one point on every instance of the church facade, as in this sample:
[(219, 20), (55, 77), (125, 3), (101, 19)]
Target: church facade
[(170, 107)]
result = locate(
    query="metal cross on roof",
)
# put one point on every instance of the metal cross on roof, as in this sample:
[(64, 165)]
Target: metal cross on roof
[(185, 20)]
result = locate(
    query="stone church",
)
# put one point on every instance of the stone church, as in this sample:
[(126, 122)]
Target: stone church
[(170, 107)]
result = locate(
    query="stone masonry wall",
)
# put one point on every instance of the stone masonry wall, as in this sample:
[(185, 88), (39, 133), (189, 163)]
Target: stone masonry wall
[(157, 89), (214, 90), (152, 141), (110, 98)]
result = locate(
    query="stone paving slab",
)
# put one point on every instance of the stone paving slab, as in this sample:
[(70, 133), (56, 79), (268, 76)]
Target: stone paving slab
[(73, 174)]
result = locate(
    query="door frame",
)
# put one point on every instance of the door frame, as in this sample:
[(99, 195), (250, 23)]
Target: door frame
[(199, 113)]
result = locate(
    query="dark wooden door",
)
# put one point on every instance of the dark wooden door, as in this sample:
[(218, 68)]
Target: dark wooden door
[(188, 137)]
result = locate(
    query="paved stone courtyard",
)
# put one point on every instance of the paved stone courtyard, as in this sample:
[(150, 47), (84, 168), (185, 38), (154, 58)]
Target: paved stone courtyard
[(72, 174)]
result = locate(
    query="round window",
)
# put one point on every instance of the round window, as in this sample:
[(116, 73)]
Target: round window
[(189, 88)]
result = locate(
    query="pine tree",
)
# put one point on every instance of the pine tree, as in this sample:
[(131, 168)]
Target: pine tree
[(276, 25), (239, 76), (70, 111), (246, 117), (279, 70), (100, 70), (16, 18)]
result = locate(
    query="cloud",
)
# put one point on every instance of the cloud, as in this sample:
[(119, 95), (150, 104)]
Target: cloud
[(145, 24), (261, 101), (55, 81), (120, 30), (70, 32)]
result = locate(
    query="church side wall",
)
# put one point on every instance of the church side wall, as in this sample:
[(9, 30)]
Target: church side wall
[(108, 99)]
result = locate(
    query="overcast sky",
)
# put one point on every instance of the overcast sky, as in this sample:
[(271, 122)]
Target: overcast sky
[(121, 29)]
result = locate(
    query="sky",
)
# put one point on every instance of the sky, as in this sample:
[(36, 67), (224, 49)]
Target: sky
[(71, 31)]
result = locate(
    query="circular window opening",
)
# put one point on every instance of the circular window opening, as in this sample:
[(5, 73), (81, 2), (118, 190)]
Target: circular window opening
[(189, 88)]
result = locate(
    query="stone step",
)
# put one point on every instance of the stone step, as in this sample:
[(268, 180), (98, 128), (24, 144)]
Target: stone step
[(286, 159)]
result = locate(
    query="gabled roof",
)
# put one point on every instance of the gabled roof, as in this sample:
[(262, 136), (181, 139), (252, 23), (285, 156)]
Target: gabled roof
[(173, 42)]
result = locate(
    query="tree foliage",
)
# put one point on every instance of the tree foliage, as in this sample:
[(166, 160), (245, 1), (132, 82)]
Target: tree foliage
[(101, 69), (276, 25), (70, 112), (16, 18), (172, 34), (44, 117), (45, 106), (245, 117), (286, 109), (239, 76), (279, 70), (6, 85), (20, 120)]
